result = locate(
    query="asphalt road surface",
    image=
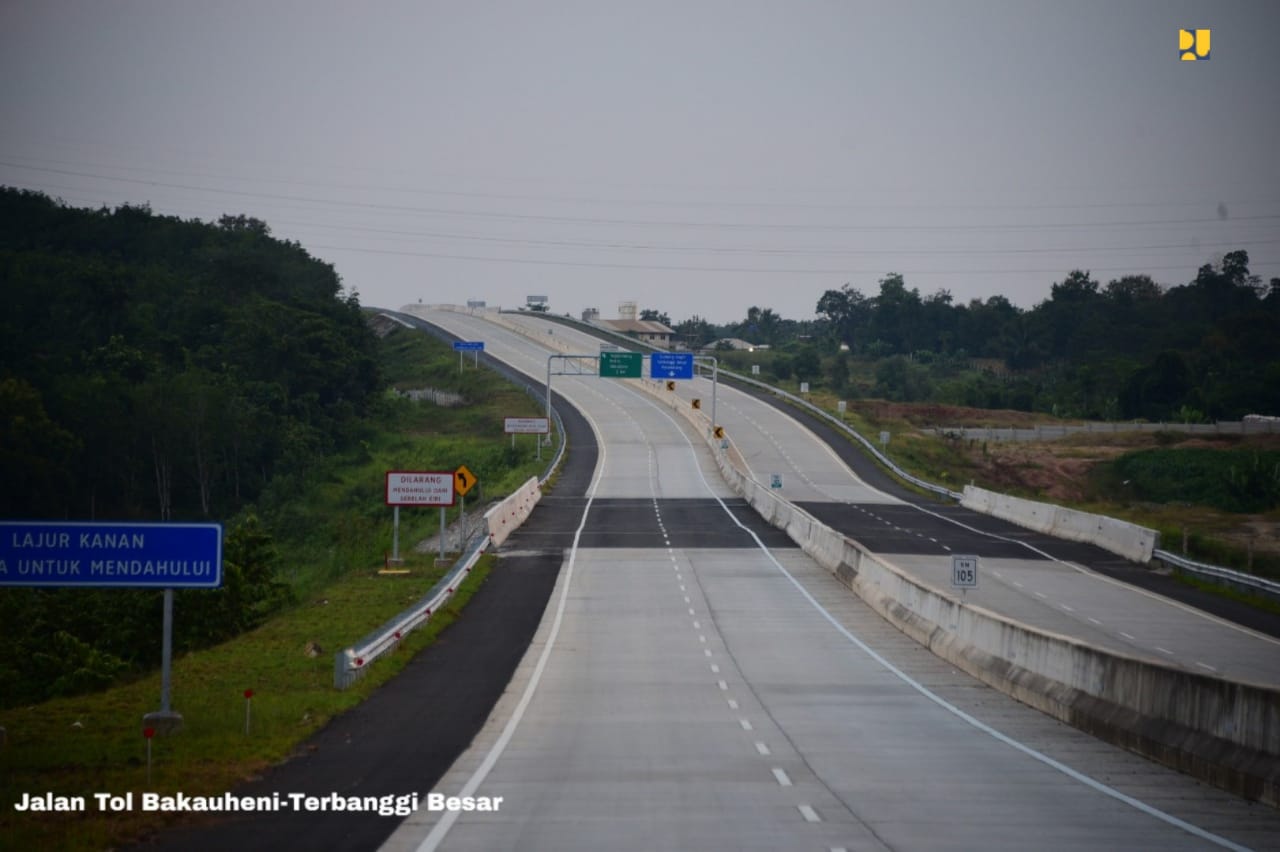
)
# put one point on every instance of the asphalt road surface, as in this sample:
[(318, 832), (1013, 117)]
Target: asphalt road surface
[(680, 696), (692, 681)]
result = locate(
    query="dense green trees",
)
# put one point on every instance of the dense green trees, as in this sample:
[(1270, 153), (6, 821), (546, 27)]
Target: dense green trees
[(1210, 348), (156, 369), (153, 368)]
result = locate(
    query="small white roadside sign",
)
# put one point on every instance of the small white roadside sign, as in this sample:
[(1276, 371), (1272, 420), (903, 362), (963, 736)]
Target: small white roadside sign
[(525, 425), (964, 572)]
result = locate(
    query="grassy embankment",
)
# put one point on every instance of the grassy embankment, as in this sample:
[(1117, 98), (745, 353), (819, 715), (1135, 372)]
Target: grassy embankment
[(332, 535)]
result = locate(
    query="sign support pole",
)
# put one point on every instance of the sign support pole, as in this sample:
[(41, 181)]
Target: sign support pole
[(442, 532), (549, 357), (395, 535), (165, 721), (166, 651)]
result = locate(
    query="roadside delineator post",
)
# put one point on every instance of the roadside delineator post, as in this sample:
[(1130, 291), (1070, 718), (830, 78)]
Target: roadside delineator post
[(147, 734)]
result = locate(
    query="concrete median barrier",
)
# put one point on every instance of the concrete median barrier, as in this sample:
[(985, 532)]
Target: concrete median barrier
[(1131, 541), (1224, 732), (1221, 731)]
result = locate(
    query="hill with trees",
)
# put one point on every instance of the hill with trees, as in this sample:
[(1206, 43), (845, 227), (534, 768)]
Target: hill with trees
[(156, 369)]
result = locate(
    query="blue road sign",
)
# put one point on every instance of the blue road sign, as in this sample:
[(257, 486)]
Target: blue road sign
[(157, 556), (671, 365), (468, 345)]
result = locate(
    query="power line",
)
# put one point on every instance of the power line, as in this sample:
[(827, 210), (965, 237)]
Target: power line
[(574, 199), (1200, 247), (673, 268), (738, 226)]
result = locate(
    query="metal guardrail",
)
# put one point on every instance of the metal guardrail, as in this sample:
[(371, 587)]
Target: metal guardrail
[(1253, 582), (1049, 432), (350, 664)]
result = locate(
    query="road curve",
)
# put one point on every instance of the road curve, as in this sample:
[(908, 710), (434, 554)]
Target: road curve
[(707, 690)]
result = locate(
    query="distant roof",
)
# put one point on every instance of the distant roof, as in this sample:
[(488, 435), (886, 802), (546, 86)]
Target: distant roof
[(636, 326), (735, 342)]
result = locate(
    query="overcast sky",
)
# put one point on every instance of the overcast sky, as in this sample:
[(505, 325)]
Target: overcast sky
[(693, 156)]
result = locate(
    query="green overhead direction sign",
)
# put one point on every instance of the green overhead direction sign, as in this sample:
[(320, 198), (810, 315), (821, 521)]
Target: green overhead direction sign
[(621, 365)]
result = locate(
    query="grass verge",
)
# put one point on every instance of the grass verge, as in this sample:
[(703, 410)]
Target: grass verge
[(94, 744)]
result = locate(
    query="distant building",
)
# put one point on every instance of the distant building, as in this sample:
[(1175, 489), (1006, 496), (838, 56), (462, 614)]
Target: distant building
[(590, 314), (648, 331)]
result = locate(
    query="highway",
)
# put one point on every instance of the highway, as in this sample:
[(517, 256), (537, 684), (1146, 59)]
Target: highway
[(1032, 578), (697, 682)]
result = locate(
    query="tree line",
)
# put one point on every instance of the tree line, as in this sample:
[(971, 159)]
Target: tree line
[(154, 369), (1131, 348)]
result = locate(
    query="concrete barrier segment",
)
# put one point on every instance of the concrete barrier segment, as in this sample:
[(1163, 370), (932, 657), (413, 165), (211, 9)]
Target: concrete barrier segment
[(1221, 731), (1122, 538)]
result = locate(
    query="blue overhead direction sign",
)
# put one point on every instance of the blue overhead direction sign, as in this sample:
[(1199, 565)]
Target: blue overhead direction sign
[(468, 345), (671, 365), (157, 556)]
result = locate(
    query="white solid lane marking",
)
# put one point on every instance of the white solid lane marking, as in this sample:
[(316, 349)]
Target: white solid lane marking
[(783, 780), (441, 829)]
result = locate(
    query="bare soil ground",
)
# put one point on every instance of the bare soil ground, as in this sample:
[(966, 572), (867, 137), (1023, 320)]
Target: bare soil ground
[(1058, 471), (930, 415)]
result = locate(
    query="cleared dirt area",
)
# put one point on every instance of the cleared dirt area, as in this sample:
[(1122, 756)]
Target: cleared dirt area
[(1064, 470)]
